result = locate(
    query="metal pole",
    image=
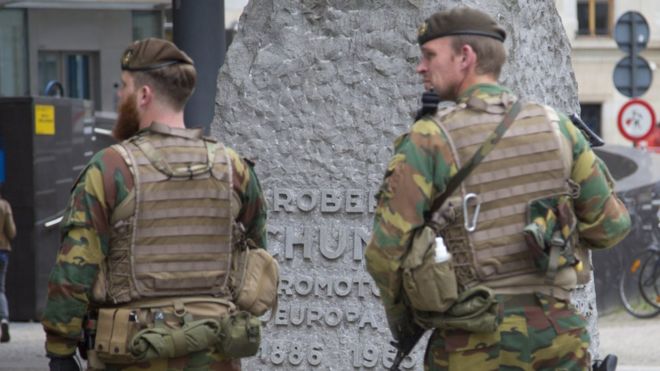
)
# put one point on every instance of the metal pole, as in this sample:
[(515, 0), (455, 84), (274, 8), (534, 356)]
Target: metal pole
[(633, 54), (199, 30)]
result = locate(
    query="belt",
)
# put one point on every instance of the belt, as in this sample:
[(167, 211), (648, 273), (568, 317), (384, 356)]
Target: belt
[(519, 300)]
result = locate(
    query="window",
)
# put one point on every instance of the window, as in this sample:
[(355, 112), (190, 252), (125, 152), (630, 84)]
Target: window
[(76, 72), (594, 17), (591, 115), (147, 24), (13, 53)]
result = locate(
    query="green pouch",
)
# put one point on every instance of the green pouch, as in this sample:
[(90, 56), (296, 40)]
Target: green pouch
[(241, 334), (162, 341), (429, 285), (475, 310), (551, 225)]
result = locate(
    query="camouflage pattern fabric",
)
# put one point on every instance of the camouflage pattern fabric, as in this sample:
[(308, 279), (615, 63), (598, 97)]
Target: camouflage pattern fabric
[(196, 361), (85, 235), (549, 335), (419, 172)]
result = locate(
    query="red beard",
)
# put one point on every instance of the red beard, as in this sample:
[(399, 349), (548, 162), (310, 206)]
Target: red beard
[(128, 120)]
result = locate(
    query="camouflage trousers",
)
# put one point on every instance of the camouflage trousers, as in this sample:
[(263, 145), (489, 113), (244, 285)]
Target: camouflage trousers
[(537, 332), (200, 361)]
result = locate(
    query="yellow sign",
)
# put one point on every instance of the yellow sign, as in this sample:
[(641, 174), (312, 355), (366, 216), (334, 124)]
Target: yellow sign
[(44, 119)]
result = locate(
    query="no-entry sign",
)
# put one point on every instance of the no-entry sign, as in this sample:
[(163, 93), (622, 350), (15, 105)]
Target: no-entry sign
[(636, 119)]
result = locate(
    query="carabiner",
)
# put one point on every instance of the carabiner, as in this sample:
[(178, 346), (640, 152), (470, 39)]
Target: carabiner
[(470, 226)]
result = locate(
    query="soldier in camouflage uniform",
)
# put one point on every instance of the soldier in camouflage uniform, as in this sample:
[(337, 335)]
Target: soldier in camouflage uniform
[(541, 160), (157, 80)]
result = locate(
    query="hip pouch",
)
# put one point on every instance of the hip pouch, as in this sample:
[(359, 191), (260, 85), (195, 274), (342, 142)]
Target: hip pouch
[(429, 285), (163, 329), (241, 334), (254, 280), (550, 234), (475, 310)]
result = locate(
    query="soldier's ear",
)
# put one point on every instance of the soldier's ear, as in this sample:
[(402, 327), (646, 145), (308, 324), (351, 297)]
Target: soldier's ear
[(145, 95), (468, 56)]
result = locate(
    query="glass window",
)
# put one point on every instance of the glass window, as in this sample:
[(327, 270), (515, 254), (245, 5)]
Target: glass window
[(76, 72), (602, 18), (594, 17), (13, 53), (49, 70), (583, 17), (591, 115), (147, 24), (78, 76)]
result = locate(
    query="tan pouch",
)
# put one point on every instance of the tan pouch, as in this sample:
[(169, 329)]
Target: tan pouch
[(255, 280), (429, 286), (116, 326)]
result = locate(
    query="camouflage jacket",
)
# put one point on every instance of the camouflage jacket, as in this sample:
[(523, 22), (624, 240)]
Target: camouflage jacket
[(419, 171), (85, 235)]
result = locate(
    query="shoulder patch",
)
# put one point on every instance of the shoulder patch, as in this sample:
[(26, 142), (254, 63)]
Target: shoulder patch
[(249, 162)]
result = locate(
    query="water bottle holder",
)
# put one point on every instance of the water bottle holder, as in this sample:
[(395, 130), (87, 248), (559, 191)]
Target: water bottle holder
[(432, 285)]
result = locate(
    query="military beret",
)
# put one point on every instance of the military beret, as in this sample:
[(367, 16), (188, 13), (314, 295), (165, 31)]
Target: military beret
[(459, 21), (151, 54)]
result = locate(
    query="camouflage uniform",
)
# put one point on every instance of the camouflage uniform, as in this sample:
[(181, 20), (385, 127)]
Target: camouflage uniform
[(102, 186), (537, 333)]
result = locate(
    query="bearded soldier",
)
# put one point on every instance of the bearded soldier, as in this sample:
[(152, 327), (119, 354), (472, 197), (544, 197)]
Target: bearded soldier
[(512, 191), (155, 231)]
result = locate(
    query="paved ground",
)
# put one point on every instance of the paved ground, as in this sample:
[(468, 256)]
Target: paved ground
[(635, 341)]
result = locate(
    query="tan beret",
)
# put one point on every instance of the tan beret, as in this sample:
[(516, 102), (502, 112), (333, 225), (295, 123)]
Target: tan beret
[(151, 54), (459, 21)]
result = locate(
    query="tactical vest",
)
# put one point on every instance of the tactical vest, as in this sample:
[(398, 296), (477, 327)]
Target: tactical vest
[(172, 236), (531, 161)]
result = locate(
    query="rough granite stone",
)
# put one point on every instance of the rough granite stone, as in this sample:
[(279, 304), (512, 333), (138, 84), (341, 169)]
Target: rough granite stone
[(315, 92)]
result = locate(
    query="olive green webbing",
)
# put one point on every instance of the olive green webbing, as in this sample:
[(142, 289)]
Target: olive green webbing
[(481, 153), (181, 239), (481, 137), (486, 117), (504, 184), (511, 172), (521, 150)]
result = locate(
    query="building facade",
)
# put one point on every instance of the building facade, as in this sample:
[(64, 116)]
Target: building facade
[(77, 44), (590, 26)]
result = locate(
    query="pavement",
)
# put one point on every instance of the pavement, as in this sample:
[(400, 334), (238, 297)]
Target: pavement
[(634, 341)]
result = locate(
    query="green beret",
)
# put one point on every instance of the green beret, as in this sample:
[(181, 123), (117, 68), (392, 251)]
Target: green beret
[(151, 54), (459, 21)]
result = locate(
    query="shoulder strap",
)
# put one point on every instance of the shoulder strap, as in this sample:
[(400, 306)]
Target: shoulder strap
[(479, 155)]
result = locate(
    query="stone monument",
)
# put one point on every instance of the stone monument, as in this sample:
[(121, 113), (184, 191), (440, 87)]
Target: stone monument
[(315, 92)]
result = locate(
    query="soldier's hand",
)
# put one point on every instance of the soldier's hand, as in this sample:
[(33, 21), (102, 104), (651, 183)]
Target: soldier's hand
[(63, 364)]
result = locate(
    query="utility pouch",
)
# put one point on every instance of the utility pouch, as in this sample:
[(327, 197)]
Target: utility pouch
[(475, 310), (241, 334), (160, 328), (550, 233), (116, 326), (254, 280), (429, 285), (162, 341)]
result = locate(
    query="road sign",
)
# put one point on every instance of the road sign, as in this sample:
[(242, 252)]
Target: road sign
[(631, 32), (636, 119), (632, 75)]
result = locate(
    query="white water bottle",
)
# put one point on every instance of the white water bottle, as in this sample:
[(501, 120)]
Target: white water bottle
[(441, 254)]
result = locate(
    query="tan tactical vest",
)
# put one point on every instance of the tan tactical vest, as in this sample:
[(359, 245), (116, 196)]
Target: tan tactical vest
[(529, 162), (172, 236)]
